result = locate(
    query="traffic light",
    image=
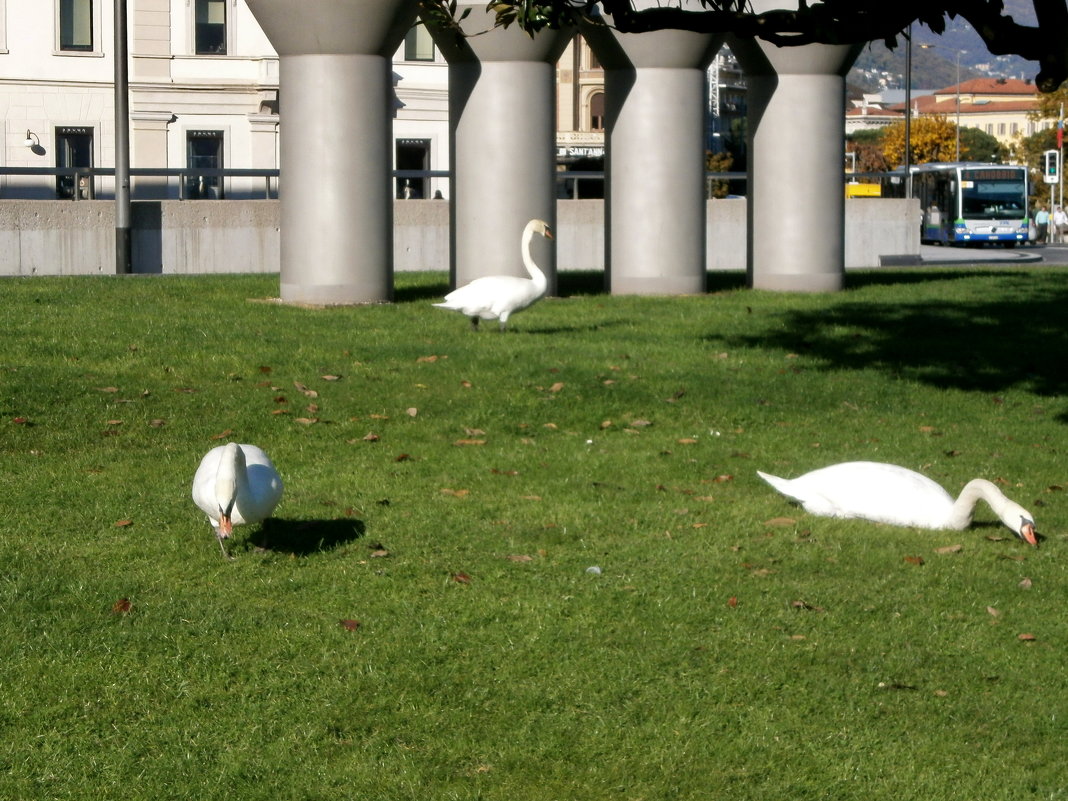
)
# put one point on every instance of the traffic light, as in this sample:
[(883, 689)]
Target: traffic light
[(1051, 166)]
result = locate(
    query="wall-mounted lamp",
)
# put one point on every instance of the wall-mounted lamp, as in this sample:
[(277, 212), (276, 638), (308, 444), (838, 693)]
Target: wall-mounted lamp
[(32, 140)]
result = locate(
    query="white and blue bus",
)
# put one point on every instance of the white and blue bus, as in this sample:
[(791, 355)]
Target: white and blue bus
[(972, 203)]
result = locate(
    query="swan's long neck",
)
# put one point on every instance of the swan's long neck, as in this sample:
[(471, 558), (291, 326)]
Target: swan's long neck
[(231, 480), (536, 274), (1010, 513)]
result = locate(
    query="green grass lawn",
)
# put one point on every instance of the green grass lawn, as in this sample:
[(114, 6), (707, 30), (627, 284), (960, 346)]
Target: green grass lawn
[(420, 621)]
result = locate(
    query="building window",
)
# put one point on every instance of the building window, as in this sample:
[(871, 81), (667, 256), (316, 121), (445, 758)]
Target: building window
[(74, 148), (597, 112), (413, 154), (76, 25), (990, 128), (591, 58), (204, 151), (418, 44), (210, 27)]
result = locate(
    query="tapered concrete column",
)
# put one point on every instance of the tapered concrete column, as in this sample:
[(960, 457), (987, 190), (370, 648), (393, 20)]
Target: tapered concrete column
[(502, 121), (796, 211), (335, 144), (655, 132)]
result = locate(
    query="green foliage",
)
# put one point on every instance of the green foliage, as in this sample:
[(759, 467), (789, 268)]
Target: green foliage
[(420, 622), (1028, 150), (976, 145)]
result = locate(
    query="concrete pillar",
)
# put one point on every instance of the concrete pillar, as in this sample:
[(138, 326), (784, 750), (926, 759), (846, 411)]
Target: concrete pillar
[(796, 214), (502, 121), (655, 132), (335, 142)]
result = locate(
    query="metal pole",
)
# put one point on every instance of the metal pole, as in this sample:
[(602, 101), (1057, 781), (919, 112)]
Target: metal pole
[(958, 105), (122, 143), (908, 111)]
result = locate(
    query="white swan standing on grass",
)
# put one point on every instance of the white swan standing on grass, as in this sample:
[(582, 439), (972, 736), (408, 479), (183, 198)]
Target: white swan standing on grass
[(886, 493), (497, 297), (236, 485)]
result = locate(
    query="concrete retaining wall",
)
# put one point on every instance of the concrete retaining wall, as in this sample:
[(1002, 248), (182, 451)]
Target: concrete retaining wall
[(56, 237)]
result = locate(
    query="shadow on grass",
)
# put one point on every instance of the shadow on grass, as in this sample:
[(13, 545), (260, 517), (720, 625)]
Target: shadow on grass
[(1014, 337), (421, 292), (305, 537), (574, 283)]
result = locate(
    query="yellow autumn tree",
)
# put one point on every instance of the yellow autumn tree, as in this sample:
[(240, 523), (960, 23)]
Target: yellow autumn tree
[(934, 138)]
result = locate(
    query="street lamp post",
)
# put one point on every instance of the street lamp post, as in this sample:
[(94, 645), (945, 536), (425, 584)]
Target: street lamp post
[(908, 111), (959, 53), (958, 104)]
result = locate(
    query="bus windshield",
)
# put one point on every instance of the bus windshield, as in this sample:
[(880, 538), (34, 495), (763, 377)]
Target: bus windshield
[(987, 195)]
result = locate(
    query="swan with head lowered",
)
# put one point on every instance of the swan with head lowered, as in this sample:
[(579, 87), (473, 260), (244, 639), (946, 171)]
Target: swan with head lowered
[(236, 485), (498, 297), (887, 493)]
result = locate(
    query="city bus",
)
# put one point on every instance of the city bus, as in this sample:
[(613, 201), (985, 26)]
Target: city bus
[(972, 203)]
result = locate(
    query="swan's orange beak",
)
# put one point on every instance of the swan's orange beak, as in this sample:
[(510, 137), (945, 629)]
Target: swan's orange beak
[(226, 526), (1028, 533)]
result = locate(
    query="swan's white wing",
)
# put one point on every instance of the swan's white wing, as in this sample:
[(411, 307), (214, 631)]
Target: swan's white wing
[(264, 488), (204, 485), (883, 493), (491, 296)]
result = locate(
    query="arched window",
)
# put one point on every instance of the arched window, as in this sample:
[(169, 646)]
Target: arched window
[(597, 112)]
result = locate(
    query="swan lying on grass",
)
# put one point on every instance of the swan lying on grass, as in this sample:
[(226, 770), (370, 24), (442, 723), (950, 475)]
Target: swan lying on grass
[(887, 493)]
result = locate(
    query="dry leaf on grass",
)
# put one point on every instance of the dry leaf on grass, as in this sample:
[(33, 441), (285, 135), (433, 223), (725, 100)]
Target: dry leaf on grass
[(461, 578), (349, 624), (310, 393), (122, 607), (780, 521), (1026, 637), (914, 560), (223, 434), (950, 549)]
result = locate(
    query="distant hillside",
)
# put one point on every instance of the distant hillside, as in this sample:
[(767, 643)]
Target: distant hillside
[(935, 66)]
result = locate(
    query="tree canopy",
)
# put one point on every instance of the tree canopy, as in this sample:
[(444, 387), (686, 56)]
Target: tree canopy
[(826, 22)]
